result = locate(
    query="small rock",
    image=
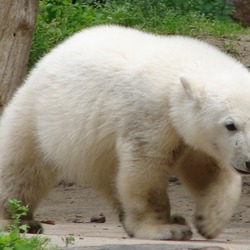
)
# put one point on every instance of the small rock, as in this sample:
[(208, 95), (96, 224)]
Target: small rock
[(78, 216), (78, 220), (98, 218), (48, 222)]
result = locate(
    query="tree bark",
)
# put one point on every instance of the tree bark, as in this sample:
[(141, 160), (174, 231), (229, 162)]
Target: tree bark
[(242, 11), (17, 21)]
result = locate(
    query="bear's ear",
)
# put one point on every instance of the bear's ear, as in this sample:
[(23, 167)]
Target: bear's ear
[(193, 87)]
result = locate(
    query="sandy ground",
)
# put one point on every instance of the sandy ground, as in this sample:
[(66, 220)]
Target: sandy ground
[(66, 205)]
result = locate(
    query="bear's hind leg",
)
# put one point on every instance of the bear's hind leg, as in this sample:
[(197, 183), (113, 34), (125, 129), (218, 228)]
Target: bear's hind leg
[(216, 190), (27, 181), (23, 173)]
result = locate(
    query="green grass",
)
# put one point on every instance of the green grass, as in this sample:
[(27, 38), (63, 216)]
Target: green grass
[(12, 239), (59, 19)]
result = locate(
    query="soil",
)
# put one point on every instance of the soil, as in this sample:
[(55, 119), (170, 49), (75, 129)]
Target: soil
[(67, 204), (78, 204), (238, 48)]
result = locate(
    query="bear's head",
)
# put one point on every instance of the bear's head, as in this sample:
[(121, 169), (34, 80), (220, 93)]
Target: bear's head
[(212, 114)]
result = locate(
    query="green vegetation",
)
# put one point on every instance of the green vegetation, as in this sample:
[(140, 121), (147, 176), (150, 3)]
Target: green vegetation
[(58, 19), (68, 240), (13, 239)]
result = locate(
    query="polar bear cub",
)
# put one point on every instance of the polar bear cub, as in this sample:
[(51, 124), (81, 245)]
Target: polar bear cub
[(120, 110)]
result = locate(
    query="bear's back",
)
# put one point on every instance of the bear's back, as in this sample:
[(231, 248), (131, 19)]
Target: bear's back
[(114, 49)]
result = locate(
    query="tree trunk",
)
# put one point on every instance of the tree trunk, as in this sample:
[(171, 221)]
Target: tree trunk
[(17, 21), (242, 11)]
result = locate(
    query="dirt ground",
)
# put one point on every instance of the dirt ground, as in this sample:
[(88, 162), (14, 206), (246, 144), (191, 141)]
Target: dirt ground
[(70, 208), (68, 204), (238, 48)]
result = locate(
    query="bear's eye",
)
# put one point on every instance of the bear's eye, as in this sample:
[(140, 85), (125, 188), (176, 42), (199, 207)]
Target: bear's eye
[(231, 127)]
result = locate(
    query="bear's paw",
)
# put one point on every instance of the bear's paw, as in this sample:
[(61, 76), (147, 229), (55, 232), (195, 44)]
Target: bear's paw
[(209, 226), (164, 232), (34, 227)]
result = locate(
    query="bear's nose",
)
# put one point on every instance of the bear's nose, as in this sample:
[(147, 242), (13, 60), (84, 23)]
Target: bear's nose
[(248, 164)]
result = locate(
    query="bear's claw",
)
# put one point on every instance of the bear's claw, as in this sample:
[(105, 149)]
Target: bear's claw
[(34, 227)]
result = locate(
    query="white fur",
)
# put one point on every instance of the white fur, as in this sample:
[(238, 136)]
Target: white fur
[(120, 109)]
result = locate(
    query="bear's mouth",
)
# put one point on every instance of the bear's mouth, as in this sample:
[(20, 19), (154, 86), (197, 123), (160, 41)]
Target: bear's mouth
[(242, 172)]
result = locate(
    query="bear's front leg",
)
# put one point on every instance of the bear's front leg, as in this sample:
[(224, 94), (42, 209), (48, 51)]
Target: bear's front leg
[(142, 191), (216, 189)]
